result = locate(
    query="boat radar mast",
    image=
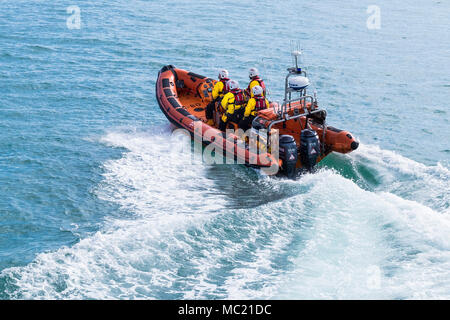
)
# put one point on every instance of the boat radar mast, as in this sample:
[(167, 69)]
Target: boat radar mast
[(298, 70), (296, 54), (296, 83)]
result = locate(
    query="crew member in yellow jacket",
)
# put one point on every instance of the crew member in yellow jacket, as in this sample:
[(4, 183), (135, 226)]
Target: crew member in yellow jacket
[(255, 80), (256, 103), (218, 92), (233, 104)]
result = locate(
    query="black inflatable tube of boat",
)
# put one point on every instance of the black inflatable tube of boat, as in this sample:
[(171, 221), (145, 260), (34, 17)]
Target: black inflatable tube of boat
[(168, 67), (334, 129), (196, 75)]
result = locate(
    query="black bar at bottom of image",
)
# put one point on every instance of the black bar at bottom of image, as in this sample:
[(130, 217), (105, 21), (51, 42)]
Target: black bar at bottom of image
[(224, 309)]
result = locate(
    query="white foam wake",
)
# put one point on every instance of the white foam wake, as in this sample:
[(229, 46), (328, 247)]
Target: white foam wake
[(366, 245), (407, 178), (160, 192), (176, 236)]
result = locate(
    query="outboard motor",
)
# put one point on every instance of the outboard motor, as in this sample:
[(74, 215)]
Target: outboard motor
[(288, 153), (309, 149)]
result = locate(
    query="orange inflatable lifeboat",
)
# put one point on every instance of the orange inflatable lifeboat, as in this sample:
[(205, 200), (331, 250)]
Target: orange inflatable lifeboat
[(296, 136)]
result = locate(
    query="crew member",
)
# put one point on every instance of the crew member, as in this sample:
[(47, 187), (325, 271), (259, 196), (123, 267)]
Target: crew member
[(233, 104), (255, 80), (256, 103), (218, 92)]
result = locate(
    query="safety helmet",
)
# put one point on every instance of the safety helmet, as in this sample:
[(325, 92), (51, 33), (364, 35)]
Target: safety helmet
[(257, 90), (253, 72), (223, 74), (232, 85)]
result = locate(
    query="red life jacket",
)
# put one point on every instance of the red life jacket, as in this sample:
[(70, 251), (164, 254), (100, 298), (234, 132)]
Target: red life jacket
[(261, 84), (224, 81), (260, 103), (239, 98)]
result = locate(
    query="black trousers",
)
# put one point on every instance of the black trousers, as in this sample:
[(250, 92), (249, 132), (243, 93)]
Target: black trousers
[(209, 112), (238, 115), (222, 125), (246, 123)]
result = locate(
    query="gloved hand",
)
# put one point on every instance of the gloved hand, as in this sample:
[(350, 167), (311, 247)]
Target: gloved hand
[(224, 117)]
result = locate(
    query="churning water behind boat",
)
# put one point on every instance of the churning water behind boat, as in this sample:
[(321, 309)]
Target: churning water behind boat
[(184, 238)]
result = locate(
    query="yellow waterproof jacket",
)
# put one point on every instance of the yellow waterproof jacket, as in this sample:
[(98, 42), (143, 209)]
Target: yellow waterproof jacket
[(228, 104), (250, 109), (253, 83), (218, 90)]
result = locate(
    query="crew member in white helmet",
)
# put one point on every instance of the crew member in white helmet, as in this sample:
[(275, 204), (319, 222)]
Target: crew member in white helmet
[(255, 80), (257, 103), (218, 92), (233, 104)]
